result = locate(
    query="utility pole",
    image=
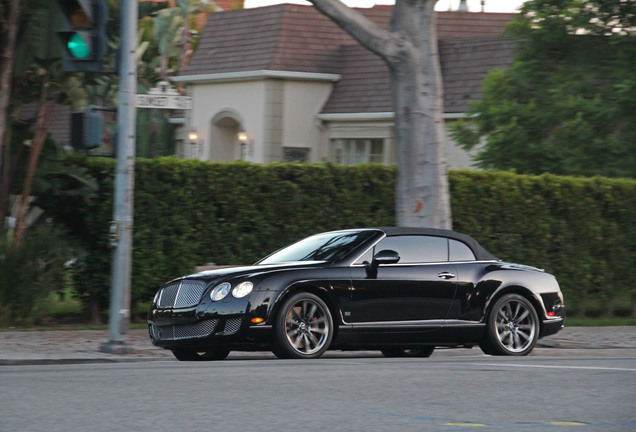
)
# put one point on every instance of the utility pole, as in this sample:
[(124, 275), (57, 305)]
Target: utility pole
[(122, 225)]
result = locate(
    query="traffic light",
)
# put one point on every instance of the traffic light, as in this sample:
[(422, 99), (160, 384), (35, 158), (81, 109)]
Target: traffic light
[(87, 129), (84, 34)]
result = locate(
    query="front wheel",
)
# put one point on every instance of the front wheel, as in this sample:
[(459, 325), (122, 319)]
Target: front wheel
[(512, 328), (303, 327), (189, 355)]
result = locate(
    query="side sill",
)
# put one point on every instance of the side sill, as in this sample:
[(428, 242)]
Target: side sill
[(460, 323), (397, 324)]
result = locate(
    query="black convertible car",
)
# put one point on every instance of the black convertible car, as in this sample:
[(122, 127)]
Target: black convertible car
[(402, 291)]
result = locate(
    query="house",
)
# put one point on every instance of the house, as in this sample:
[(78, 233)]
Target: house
[(283, 83)]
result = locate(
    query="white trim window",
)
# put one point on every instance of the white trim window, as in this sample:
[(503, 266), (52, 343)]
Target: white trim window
[(350, 151)]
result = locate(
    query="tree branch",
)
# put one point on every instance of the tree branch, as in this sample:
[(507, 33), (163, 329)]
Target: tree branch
[(382, 42)]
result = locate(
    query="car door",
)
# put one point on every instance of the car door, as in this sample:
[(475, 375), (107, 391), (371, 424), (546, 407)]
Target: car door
[(417, 291)]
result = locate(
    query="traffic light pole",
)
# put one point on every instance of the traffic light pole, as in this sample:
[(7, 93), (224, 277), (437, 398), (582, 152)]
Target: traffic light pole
[(122, 224)]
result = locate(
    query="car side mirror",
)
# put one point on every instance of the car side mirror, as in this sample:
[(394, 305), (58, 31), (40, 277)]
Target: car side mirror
[(386, 256)]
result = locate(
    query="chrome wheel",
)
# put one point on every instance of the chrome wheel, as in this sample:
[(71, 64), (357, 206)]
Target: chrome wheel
[(304, 327), (513, 326)]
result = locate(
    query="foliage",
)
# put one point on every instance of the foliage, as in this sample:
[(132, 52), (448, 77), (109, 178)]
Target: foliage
[(566, 105), (202, 205), (30, 273), (580, 229), (189, 213)]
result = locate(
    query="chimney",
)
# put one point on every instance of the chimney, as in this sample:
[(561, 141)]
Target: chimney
[(463, 7)]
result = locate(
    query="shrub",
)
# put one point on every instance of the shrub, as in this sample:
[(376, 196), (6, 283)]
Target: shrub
[(31, 272), (189, 213)]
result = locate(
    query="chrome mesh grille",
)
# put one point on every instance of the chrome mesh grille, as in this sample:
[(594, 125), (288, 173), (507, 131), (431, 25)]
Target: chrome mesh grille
[(183, 331), (168, 295), (181, 294), (232, 325)]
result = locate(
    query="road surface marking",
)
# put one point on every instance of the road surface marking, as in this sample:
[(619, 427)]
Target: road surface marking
[(559, 367)]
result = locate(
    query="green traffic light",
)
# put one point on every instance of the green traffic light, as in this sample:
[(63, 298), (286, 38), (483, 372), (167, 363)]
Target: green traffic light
[(78, 46)]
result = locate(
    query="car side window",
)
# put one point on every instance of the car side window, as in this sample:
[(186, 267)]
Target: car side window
[(459, 251), (416, 249)]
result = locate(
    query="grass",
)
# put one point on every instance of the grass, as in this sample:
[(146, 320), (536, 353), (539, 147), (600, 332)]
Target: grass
[(600, 321), (63, 312)]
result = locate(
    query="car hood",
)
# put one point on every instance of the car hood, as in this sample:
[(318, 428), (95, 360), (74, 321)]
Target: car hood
[(226, 272)]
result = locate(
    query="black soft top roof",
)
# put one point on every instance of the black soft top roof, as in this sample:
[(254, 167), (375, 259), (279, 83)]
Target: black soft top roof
[(478, 250)]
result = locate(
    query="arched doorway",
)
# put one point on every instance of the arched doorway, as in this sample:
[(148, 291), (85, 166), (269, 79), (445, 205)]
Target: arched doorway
[(223, 144)]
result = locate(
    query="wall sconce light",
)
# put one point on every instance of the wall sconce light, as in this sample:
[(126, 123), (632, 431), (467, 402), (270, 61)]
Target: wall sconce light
[(193, 138), (247, 148)]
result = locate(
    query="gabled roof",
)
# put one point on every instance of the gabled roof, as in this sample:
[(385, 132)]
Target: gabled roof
[(465, 62), (364, 86), (295, 38)]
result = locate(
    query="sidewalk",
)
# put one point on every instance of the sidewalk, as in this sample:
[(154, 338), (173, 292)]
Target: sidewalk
[(83, 346)]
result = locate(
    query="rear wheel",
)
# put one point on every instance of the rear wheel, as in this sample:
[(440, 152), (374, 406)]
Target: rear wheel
[(303, 327), (425, 351), (189, 355), (486, 348), (513, 327)]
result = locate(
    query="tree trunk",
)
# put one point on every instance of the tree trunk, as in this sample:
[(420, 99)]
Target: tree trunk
[(9, 26), (39, 138), (94, 309), (410, 51), (422, 195)]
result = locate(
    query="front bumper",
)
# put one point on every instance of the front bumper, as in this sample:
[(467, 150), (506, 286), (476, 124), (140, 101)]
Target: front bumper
[(211, 324), (208, 333)]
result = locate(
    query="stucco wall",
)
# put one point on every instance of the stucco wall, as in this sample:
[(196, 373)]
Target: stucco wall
[(242, 100), (279, 113), (303, 100)]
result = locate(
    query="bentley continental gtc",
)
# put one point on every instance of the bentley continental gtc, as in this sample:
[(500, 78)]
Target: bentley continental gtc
[(402, 291)]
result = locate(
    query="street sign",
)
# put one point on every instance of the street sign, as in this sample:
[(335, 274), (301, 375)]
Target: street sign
[(163, 97), (164, 102)]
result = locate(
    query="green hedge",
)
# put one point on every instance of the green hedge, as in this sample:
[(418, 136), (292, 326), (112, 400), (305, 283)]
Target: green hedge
[(189, 213), (583, 230)]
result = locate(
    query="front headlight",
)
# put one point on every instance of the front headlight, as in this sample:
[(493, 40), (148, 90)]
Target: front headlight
[(220, 291), (242, 289)]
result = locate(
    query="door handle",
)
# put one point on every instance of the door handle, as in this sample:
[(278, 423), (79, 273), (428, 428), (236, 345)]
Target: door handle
[(446, 275)]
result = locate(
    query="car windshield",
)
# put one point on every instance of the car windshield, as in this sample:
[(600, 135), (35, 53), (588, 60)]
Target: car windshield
[(321, 247)]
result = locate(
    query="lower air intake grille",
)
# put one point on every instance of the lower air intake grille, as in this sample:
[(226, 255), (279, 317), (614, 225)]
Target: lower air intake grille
[(183, 331), (232, 325)]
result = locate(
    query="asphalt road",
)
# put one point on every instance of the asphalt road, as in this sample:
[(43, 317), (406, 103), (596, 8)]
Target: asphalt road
[(451, 391)]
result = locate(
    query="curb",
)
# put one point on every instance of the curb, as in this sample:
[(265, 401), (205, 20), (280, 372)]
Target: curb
[(566, 344), (59, 361)]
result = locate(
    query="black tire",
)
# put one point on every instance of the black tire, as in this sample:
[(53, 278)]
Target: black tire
[(486, 348), (512, 327), (189, 355), (424, 351), (303, 328)]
